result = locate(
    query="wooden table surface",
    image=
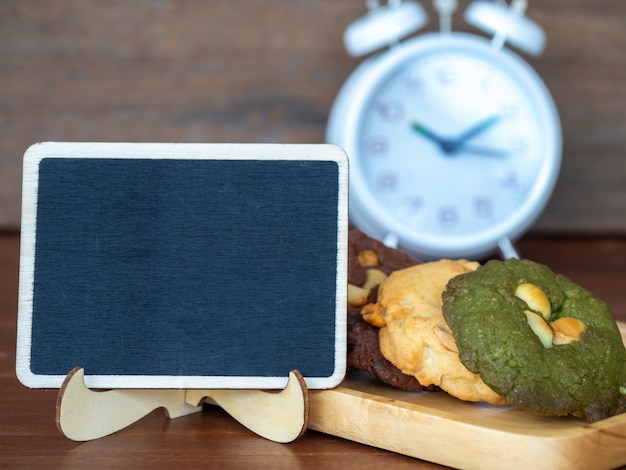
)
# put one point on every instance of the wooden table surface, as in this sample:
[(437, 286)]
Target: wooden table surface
[(211, 439)]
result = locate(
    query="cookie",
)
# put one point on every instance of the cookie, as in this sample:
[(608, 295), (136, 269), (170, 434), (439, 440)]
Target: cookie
[(364, 353), (414, 335), (545, 344)]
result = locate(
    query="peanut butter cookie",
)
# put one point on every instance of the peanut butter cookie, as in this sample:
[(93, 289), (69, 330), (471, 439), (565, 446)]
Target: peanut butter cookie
[(414, 335)]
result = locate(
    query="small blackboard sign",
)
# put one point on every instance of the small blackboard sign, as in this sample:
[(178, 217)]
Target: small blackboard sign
[(183, 265)]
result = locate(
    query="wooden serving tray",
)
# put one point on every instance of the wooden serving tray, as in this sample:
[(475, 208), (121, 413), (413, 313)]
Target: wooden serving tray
[(442, 429)]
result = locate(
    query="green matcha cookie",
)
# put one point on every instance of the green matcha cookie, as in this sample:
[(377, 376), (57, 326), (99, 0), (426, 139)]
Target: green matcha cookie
[(575, 366)]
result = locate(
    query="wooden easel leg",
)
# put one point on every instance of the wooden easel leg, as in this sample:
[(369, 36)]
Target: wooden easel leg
[(279, 417), (83, 414)]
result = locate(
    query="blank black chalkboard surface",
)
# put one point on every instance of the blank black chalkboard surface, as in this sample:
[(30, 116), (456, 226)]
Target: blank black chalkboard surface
[(183, 265)]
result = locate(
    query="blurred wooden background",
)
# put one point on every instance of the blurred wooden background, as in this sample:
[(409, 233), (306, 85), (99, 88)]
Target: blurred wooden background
[(268, 71)]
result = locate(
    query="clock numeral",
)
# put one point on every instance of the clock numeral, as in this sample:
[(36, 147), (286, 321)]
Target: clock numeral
[(414, 204), (510, 181), (447, 75), (483, 208), (448, 217), (387, 181), (414, 84), (510, 110), (389, 110), (518, 144), (486, 82), (409, 210), (376, 145)]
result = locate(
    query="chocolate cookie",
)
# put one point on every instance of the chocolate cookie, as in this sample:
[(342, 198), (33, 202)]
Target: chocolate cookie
[(543, 343), (364, 353)]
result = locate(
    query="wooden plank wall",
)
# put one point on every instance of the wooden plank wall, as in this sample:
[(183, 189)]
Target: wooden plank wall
[(268, 71)]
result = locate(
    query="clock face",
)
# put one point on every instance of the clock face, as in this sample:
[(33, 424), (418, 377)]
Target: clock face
[(453, 145)]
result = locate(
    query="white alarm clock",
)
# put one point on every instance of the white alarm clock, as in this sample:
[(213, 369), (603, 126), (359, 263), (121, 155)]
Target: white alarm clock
[(454, 141)]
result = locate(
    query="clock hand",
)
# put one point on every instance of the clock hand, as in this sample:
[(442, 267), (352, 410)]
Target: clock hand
[(419, 127), (451, 146), (482, 151)]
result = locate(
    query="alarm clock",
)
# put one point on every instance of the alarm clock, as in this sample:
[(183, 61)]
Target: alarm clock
[(453, 140)]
